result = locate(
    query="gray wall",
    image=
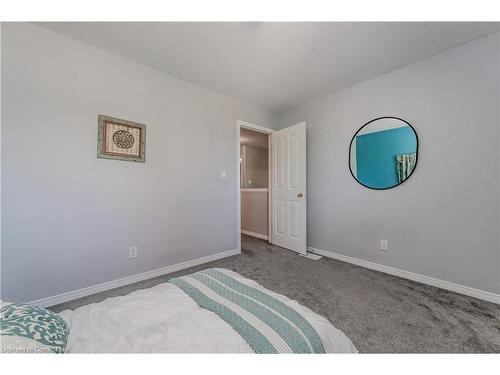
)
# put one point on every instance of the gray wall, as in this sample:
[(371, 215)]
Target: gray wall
[(444, 221), (69, 218)]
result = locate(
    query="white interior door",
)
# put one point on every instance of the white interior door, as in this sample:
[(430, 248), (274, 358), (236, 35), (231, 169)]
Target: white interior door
[(288, 194)]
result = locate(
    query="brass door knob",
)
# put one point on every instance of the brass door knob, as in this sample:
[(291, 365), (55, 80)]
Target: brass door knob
[(300, 195)]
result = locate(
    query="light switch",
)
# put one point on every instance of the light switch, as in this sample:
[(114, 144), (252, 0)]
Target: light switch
[(384, 245), (223, 175)]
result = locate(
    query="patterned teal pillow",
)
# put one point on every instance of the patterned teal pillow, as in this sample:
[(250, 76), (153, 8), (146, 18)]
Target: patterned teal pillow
[(28, 328)]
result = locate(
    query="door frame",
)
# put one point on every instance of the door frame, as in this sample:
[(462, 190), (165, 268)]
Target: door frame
[(261, 129)]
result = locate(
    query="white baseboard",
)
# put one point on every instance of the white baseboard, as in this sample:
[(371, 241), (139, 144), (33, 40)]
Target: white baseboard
[(254, 234), (462, 289), (87, 291)]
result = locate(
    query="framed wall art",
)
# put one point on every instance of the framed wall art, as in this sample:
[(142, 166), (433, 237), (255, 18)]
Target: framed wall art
[(121, 139)]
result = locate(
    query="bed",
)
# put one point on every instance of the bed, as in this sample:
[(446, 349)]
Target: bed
[(211, 311), (168, 318)]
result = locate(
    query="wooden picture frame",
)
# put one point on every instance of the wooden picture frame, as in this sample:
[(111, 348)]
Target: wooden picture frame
[(121, 139)]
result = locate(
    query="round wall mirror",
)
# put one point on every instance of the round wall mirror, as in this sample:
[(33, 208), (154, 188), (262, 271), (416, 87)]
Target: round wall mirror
[(383, 153)]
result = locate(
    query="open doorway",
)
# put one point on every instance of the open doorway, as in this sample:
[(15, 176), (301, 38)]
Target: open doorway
[(254, 181)]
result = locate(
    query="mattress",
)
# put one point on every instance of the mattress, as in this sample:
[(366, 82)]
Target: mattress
[(164, 319)]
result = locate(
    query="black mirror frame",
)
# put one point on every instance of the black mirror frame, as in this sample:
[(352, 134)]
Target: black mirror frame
[(416, 151)]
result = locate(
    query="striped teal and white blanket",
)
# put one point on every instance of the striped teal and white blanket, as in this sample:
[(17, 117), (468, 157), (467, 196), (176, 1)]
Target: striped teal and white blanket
[(267, 324)]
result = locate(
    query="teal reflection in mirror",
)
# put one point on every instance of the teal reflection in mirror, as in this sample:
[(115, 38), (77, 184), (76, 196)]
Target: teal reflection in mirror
[(383, 153)]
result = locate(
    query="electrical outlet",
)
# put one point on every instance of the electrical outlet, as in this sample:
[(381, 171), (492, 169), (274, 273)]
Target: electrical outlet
[(132, 252), (384, 245)]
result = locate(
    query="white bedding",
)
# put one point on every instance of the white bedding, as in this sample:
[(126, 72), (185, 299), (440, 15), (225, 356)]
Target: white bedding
[(163, 319)]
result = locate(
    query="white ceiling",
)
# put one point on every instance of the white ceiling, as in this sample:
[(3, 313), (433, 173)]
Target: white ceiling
[(274, 65)]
